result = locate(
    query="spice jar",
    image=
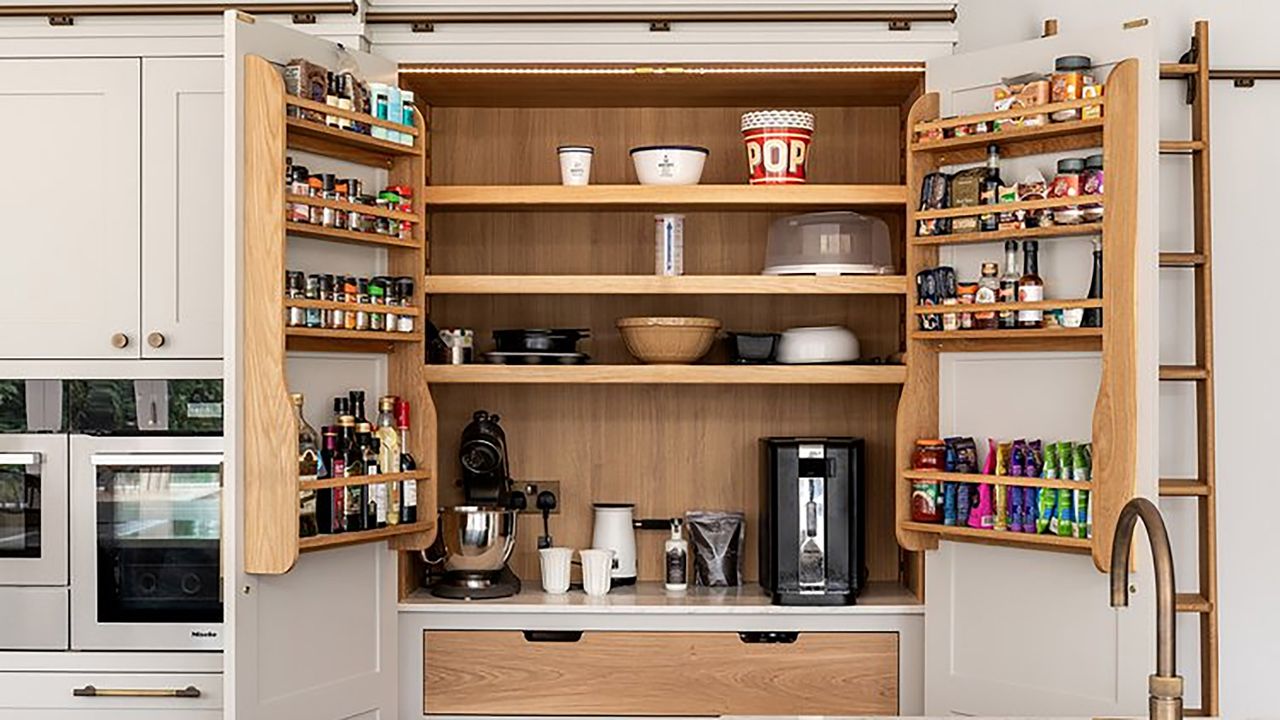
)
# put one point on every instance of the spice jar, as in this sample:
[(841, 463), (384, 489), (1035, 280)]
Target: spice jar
[(294, 288), (1071, 73), (378, 296), (1091, 184), (314, 315), (350, 295), (968, 293), (404, 291), (925, 494), (298, 185), (1067, 184)]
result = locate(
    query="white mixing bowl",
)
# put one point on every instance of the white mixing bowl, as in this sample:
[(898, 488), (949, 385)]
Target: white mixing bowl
[(669, 164), (813, 345)]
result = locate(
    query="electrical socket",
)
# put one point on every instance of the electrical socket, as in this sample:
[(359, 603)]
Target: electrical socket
[(531, 488)]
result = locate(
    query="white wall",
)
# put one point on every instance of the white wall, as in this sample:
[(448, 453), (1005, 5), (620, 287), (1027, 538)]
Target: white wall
[(1240, 36)]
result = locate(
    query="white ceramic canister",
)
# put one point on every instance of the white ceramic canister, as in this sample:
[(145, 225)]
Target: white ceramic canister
[(575, 164), (669, 244)]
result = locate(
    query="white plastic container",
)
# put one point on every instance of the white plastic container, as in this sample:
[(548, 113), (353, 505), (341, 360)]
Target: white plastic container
[(555, 563), (828, 243), (597, 575), (669, 164), (818, 345), (575, 164), (668, 244)]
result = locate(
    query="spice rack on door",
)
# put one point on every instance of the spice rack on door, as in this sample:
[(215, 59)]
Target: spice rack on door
[(271, 482), (1114, 434)]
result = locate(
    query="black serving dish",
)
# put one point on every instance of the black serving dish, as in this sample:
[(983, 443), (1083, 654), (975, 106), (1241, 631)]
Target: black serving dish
[(752, 347), (555, 340)]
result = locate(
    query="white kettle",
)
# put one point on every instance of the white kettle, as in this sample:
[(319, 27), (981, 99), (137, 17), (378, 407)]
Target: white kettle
[(615, 530)]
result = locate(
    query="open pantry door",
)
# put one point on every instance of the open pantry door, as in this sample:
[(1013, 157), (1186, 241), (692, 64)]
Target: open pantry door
[(1026, 632), (316, 642)]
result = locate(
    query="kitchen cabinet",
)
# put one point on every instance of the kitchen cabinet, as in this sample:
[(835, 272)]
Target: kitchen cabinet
[(509, 247), (72, 246), (659, 673), (110, 696), (182, 244), (118, 215)]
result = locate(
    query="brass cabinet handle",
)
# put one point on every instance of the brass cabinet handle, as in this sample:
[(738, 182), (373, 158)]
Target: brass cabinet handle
[(190, 691), (119, 340), (155, 339)]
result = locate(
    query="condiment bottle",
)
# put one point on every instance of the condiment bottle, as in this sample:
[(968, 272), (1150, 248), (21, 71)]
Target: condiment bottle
[(989, 190), (1067, 184), (1091, 184), (1093, 316), (676, 552), (1030, 286), (1008, 319), (988, 292), (1070, 74)]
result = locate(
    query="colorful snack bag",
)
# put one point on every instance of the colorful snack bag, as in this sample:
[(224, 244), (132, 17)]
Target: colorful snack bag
[(1014, 503), (1051, 469), (1047, 502), (1003, 452), (989, 466), (966, 454), (950, 496), (1064, 512), (1030, 519), (964, 502), (1033, 459), (1016, 457), (1082, 471)]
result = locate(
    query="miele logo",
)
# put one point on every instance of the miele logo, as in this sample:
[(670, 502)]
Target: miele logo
[(204, 633)]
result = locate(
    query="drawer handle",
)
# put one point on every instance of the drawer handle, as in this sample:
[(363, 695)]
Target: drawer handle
[(553, 636), (190, 691), (768, 638)]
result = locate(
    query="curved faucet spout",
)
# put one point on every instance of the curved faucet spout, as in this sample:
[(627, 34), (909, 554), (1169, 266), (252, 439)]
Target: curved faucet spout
[(1165, 685)]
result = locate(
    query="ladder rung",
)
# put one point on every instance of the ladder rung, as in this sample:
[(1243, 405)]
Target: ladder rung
[(1182, 488), (1183, 372), (1181, 259), (1180, 147), (1192, 603), (1194, 712), (1177, 70)]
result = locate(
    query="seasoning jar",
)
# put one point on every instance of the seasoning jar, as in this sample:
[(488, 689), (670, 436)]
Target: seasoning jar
[(967, 293), (314, 315), (1091, 184), (329, 191), (299, 185), (1071, 73), (362, 298), (350, 296), (326, 294), (378, 297), (925, 494), (1067, 184), (315, 189), (294, 288), (404, 290)]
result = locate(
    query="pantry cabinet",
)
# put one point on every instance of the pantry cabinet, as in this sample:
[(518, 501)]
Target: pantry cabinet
[(118, 212)]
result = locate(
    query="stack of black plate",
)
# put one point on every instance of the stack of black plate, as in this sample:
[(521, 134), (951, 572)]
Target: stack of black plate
[(555, 346)]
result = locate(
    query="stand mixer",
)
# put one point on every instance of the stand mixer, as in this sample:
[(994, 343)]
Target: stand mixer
[(479, 535)]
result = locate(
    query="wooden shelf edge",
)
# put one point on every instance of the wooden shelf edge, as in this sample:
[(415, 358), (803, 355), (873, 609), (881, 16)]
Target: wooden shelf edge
[(1064, 304), (659, 285), (1045, 204), (668, 374), (358, 335), (361, 480), (1088, 131), (321, 232), (747, 196), (352, 307), (1015, 480), (366, 144), (1037, 233), (321, 542), (994, 537), (306, 104), (406, 216), (1047, 109)]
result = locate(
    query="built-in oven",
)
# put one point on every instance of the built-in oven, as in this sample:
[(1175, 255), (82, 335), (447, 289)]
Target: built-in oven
[(33, 542), (146, 522)]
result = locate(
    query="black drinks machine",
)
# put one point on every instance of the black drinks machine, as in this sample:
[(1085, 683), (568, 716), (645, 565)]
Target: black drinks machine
[(812, 543)]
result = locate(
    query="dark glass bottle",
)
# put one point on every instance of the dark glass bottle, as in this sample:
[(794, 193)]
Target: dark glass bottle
[(374, 500), (1007, 319), (353, 460), (1093, 316), (357, 406), (1030, 286), (330, 460), (989, 190)]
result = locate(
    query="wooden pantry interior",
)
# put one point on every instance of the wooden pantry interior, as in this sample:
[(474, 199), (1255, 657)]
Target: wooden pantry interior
[(498, 243)]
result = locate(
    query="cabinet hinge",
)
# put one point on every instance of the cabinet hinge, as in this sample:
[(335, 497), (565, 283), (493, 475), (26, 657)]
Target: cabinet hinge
[(422, 27), (898, 25), (61, 20), (304, 19), (660, 26)]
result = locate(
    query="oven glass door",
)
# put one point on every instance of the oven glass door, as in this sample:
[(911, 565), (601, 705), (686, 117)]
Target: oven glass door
[(20, 505), (33, 510), (158, 529)]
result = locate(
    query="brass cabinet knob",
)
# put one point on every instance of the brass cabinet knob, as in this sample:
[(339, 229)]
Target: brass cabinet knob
[(119, 340), (155, 339)]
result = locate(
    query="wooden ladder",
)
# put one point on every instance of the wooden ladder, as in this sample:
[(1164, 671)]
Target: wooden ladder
[(1193, 69)]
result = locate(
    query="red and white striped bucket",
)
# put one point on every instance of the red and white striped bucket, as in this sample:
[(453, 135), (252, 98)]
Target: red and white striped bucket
[(777, 145)]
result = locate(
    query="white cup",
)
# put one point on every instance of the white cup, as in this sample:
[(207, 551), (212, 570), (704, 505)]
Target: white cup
[(575, 164), (555, 563), (597, 571)]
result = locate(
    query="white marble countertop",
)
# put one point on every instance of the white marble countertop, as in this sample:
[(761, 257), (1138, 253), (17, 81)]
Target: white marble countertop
[(880, 598)]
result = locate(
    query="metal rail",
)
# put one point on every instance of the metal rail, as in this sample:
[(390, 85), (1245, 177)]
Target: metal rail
[(302, 12), (659, 20), (1244, 78)]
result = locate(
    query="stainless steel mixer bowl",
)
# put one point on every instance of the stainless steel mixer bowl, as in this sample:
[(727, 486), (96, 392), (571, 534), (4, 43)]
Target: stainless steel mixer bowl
[(477, 538)]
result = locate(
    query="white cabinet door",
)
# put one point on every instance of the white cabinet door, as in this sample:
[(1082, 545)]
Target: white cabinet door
[(1018, 632), (70, 246), (182, 208)]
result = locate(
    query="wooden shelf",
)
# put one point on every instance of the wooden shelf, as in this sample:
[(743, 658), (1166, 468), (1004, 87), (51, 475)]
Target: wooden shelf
[(321, 232), (1045, 305), (1019, 141), (998, 537), (365, 118), (355, 147), (351, 307), (1045, 204), (361, 480), (319, 542), (331, 334), (534, 197), (660, 285), (1039, 233), (668, 374), (373, 210), (1018, 340), (1015, 480)]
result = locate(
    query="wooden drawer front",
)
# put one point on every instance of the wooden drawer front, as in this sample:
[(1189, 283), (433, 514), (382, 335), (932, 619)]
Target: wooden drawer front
[(660, 673), (53, 695)]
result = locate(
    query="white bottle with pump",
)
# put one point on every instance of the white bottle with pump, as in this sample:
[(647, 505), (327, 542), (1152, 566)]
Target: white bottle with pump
[(676, 559)]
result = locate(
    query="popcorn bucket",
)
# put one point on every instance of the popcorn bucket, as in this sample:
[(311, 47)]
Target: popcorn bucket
[(777, 145)]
